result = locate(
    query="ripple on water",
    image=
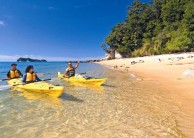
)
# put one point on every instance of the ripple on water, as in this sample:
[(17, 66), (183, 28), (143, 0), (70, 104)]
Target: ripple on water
[(125, 108)]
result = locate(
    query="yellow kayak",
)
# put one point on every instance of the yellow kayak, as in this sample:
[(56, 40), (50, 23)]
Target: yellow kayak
[(41, 87), (89, 81)]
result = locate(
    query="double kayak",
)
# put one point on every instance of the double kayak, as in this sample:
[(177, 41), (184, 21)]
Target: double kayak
[(39, 87), (84, 80)]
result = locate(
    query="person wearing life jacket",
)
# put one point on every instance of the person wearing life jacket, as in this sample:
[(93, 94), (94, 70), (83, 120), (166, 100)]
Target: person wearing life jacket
[(14, 72), (70, 71), (30, 75)]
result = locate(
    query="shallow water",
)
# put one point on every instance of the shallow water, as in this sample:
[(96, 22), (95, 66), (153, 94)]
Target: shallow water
[(123, 107)]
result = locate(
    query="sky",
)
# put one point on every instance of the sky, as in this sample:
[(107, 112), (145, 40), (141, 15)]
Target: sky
[(57, 30)]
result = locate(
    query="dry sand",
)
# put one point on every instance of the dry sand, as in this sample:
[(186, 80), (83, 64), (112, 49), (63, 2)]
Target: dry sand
[(168, 73)]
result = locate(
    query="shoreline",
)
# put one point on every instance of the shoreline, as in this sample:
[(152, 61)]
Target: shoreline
[(166, 69), (164, 72)]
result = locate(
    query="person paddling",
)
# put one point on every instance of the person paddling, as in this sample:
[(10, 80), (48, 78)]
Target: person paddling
[(30, 75), (70, 71), (14, 72)]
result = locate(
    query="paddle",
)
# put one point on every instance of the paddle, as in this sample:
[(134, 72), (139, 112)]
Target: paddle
[(3, 80), (6, 87), (46, 79), (82, 73)]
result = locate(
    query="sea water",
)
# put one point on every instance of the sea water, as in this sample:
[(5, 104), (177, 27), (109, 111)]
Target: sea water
[(122, 107)]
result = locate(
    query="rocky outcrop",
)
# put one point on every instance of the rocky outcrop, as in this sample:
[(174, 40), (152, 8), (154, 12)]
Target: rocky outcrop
[(118, 55), (112, 54), (30, 60)]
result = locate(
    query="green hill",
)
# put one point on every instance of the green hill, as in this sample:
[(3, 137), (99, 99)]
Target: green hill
[(161, 27)]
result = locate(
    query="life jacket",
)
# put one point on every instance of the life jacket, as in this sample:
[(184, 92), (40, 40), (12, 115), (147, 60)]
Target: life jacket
[(14, 74), (30, 77), (71, 72)]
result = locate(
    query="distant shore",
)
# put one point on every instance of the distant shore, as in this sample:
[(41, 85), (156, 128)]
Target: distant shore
[(168, 69)]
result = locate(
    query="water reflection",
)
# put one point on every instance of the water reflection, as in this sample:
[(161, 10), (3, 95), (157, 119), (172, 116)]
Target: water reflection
[(37, 97)]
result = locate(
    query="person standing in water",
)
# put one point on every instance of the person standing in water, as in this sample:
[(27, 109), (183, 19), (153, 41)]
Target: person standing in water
[(70, 71), (14, 72), (30, 75)]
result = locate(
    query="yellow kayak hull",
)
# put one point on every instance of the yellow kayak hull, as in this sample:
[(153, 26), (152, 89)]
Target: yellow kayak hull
[(39, 87), (92, 81)]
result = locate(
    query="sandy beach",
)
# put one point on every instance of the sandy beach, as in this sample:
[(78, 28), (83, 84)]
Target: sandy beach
[(172, 71)]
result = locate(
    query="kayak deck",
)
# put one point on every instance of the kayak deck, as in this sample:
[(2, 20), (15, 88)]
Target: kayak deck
[(41, 87), (89, 81)]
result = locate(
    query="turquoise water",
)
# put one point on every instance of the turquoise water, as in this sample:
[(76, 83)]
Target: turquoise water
[(123, 107), (50, 69)]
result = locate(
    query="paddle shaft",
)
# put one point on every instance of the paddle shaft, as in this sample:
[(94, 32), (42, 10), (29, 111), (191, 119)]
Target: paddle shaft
[(46, 79), (9, 86), (30, 82), (82, 73), (3, 80)]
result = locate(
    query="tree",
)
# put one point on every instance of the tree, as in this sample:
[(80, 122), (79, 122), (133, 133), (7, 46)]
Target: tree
[(189, 22), (160, 27)]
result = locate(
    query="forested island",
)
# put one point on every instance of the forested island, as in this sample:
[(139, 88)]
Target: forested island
[(160, 27), (30, 60)]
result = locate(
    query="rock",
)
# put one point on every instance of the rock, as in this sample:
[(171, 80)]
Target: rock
[(126, 69), (189, 72), (110, 54), (190, 56), (133, 63), (141, 61), (157, 60), (176, 58), (113, 54), (115, 67), (118, 55), (122, 65)]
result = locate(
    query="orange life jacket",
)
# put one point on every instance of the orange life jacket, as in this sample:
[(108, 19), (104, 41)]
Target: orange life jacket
[(30, 77), (14, 74)]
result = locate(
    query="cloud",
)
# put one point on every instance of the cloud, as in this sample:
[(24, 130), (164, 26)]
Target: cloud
[(15, 57), (2, 23)]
